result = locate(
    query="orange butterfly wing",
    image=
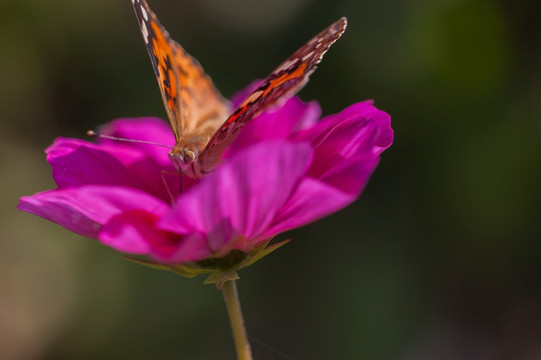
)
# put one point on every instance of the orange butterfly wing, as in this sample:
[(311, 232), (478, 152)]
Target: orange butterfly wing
[(197, 111), (194, 106), (286, 80)]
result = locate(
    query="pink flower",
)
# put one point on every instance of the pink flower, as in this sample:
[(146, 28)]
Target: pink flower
[(286, 169)]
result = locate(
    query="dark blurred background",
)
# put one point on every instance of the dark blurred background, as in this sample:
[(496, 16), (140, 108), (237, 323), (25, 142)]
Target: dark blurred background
[(440, 257)]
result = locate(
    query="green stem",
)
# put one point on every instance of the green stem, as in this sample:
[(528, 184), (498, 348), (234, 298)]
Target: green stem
[(231, 297)]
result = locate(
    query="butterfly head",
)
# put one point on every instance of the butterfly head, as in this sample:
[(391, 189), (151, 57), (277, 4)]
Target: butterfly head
[(185, 159)]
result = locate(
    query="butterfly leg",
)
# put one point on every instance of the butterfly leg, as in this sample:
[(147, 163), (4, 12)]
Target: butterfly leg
[(166, 184)]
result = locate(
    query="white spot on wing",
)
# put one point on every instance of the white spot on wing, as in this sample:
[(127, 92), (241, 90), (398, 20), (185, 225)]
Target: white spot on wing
[(308, 56), (145, 14), (144, 30)]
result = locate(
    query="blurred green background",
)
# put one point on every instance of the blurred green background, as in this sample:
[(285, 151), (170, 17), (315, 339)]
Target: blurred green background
[(440, 257)]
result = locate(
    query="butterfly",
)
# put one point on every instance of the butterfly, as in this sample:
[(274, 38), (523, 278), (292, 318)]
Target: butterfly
[(201, 118)]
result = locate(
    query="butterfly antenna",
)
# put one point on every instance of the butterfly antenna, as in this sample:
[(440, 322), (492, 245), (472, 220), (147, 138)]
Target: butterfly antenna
[(92, 133)]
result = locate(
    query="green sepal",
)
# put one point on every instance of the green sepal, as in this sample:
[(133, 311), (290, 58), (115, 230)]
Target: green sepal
[(147, 263), (181, 269), (259, 252), (219, 277), (188, 271), (221, 269)]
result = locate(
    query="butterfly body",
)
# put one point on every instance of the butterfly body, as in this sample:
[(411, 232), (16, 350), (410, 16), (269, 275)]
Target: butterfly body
[(200, 117)]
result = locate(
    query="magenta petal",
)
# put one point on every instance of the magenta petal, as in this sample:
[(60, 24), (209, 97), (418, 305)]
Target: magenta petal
[(351, 176), (147, 129), (244, 196), (316, 198), (359, 127), (135, 232), (131, 232), (357, 131), (77, 163), (84, 210), (192, 247), (347, 147), (311, 201), (374, 122)]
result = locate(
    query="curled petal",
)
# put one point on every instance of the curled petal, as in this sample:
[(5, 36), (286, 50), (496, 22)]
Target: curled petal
[(359, 131)]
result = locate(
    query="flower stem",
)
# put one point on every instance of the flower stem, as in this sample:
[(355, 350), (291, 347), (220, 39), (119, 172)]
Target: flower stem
[(231, 297)]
